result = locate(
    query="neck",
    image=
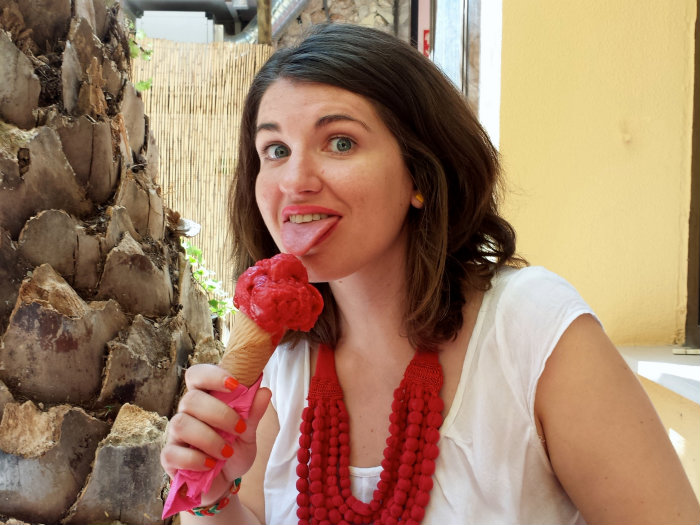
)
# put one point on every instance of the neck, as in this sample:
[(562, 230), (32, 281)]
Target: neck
[(372, 301), (372, 307)]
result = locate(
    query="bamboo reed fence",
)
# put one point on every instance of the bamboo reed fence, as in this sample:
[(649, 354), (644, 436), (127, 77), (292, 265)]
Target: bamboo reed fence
[(194, 108)]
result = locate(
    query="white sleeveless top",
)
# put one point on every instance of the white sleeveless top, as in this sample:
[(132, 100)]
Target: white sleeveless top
[(492, 467)]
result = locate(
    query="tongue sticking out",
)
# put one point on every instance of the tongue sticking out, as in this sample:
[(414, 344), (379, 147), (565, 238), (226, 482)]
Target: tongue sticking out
[(299, 238)]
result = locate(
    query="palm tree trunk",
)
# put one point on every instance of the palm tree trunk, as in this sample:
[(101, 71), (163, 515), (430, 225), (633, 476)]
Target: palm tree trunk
[(99, 313)]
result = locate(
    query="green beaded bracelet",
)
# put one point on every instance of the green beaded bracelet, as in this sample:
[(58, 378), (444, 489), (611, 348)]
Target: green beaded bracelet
[(211, 510)]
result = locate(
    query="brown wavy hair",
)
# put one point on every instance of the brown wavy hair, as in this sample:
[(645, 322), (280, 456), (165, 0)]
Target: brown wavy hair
[(458, 240)]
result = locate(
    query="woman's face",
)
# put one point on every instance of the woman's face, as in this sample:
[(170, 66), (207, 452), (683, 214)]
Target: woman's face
[(333, 188)]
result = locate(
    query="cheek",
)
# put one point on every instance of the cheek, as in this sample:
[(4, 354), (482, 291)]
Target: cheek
[(258, 190), (263, 196), (258, 201), (398, 187)]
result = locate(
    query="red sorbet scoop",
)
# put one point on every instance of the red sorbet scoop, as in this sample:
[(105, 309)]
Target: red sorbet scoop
[(273, 296)]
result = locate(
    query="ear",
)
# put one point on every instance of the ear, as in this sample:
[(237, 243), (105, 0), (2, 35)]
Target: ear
[(417, 200)]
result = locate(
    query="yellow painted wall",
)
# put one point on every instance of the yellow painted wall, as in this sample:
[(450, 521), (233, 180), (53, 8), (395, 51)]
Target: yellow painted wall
[(596, 124)]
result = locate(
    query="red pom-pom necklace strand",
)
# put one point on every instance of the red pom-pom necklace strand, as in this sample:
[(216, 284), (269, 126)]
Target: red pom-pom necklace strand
[(403, 490)]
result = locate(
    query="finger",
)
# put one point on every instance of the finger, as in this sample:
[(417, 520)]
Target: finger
[(176, 457), (261, 401), (210, 410), (184, 430), (209, 377), (260, 404)]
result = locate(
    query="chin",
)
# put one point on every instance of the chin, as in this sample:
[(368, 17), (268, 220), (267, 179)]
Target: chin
[(317, 277), (322, 272)]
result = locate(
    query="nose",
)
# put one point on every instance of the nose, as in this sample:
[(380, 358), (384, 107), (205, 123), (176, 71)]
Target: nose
[(301, 174)]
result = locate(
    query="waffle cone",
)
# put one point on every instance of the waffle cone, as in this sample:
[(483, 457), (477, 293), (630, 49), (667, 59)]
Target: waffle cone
[(248, 352)]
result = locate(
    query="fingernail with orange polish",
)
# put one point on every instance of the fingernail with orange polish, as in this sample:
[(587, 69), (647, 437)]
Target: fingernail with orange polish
[(231, 383), (241, 426), (210, 462), (227, 451)]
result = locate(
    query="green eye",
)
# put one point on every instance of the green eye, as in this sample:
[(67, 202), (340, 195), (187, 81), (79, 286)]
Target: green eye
[(276, 151), (341, 144)]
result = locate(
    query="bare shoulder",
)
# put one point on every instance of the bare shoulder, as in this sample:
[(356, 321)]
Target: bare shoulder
[(605, 441)]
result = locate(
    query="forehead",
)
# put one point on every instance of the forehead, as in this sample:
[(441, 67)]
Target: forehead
[(286, 98)]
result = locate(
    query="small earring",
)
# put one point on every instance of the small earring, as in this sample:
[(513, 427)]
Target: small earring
[(419, 197)]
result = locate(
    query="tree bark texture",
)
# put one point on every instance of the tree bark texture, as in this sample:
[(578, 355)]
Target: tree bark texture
[(99, 313)]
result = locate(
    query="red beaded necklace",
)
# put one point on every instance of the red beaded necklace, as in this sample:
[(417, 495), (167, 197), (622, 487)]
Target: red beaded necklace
[(403, 491)]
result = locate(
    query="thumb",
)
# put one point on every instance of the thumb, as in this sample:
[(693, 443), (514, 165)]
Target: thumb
[(261, 400)]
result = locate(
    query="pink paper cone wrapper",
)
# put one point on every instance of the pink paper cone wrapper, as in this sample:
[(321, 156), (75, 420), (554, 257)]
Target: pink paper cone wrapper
[(199, 482)]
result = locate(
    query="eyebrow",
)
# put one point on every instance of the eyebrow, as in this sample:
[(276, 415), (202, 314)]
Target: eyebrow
[(327, 119), (269, 126), (323, 121)]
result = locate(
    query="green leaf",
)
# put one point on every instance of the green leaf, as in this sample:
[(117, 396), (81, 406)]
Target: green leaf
[(143, 85), (134, 49), (220, 303)]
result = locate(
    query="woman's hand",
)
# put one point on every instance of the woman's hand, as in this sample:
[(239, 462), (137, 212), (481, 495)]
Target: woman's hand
[(192, 440)]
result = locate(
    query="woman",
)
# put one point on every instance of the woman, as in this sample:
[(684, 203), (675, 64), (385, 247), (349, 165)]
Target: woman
[(358, 156)]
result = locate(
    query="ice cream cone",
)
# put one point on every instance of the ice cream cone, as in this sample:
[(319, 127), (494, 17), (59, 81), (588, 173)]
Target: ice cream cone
[(249, 350), (272, 296)]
